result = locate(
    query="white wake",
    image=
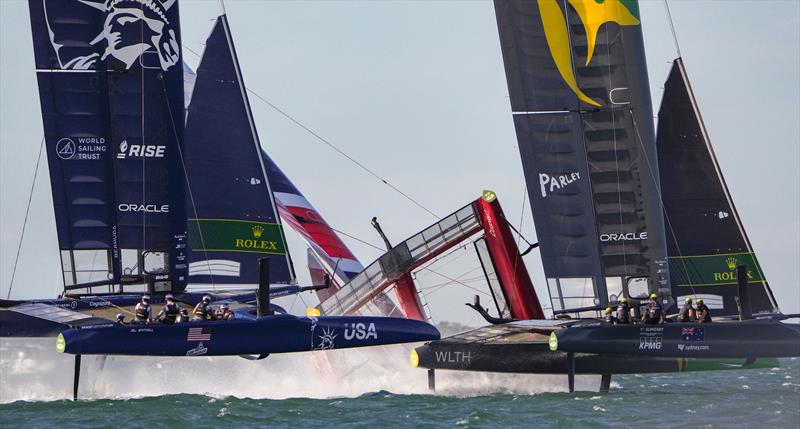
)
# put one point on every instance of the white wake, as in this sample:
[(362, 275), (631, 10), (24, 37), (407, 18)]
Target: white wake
[(32, 370)]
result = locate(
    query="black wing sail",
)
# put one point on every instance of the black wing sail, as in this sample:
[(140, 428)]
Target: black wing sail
[(706, 240), (580, 99)]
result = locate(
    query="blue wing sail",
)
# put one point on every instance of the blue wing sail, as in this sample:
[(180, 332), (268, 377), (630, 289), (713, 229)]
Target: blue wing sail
[(111, 92), (232, 216)]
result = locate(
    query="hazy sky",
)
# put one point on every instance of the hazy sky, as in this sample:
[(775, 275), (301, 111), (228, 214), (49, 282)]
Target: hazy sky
[(416, 91)]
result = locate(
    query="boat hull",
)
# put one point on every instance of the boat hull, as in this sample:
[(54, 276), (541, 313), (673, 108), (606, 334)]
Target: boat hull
[(266, 335)]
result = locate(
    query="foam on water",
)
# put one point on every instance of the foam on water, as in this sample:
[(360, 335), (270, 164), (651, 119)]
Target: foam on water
[(32, 370)]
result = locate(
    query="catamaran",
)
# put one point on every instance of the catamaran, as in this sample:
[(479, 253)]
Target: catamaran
[(620, 212), (160, 186)]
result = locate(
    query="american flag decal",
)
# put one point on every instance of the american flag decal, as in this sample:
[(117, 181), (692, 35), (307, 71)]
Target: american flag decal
[(199, 334)]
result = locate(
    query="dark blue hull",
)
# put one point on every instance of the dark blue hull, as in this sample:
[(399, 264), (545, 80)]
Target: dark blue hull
[(266, 335)]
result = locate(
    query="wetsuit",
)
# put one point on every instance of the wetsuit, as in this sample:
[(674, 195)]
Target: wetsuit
[(203, 312), (142, 313), (623, 314), (654, 313), (169, 313), (685, 315), (703, 313)]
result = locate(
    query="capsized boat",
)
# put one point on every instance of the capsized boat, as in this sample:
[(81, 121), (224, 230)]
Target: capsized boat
[(618, 211)]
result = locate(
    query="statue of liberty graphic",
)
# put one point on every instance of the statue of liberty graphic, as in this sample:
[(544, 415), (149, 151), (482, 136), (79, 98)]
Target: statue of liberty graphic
[(130, 29)]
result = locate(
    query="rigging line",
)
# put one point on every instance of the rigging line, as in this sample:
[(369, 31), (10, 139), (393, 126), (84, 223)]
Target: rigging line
[(455, 281), (25, 222), (672, 27), (336, 149), (661, 204), (358, 239), (189, 188)]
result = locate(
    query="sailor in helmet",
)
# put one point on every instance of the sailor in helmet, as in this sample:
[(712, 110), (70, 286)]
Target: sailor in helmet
[(609, 316), (687, 312), (203, 311), (142, 312), (623, 312), (225, 312), (654, 314), (184, 316), (169, 311), (703, 312), (120, 318)]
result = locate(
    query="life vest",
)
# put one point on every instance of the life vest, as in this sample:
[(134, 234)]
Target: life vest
[(703, 313), (200, 311), (683, 315), (653, 312), (623, 314), (142, 313), (171, 312)]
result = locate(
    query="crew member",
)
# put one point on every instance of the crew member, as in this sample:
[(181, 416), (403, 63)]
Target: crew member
[(225, 312), (610, 316), (703, 312), (142, 312), (687, 312), (654, 314), (202, 311), (120, 318), (623, 312), (169, 311), (184, 316)]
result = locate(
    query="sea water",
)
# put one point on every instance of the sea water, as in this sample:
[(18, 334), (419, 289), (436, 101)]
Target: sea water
[(369, 387)]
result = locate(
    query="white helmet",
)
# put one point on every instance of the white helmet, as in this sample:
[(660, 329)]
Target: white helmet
[(206, 298), (146, 298)]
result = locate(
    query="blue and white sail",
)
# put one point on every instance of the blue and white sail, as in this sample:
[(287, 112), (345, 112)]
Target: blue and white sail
[(111, 91), (233, 220)]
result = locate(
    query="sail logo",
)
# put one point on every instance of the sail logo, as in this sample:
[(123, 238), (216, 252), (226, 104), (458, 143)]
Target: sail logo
[(593, 15), (86, 148), (731, 275), (140, 150), (626, 236), (131, 30), (256, 243), (360, 331), (550, 183), (143, 208)]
